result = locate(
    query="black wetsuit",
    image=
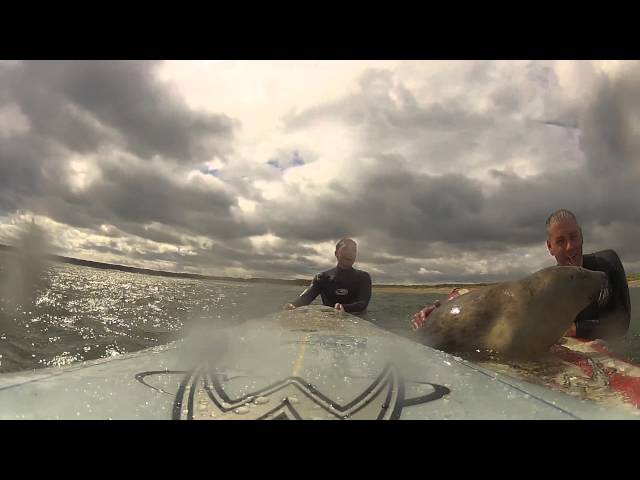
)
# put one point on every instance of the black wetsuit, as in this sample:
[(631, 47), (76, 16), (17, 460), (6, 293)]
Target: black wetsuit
[(611, 319), (350, 287)]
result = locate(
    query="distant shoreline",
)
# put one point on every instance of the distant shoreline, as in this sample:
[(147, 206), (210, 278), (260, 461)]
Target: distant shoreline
[(440, 288), (444, 288)]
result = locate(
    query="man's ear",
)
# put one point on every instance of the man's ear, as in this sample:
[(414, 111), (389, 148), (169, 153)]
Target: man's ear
[(549, 247)]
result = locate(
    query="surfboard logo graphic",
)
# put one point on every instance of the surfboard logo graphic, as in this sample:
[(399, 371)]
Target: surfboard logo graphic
[(202, 396)]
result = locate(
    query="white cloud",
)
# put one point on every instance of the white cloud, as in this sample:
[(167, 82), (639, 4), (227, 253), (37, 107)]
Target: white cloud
[(12, 120), (424, 271)]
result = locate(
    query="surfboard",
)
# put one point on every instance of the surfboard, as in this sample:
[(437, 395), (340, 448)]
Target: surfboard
[(310, 363), (582, 368)]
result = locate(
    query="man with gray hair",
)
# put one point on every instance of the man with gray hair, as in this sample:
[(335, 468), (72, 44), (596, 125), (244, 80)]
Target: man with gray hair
[(611, 314), (343, 287)]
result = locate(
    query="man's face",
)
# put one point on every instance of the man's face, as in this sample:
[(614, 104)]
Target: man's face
[(565, 243), (346, 255)]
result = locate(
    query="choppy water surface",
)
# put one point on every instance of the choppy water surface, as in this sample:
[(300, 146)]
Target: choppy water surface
[(75, 313)]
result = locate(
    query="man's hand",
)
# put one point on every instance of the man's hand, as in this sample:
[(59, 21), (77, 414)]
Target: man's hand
[(571, 331), (289, 306), (419, 320), (339, 307)]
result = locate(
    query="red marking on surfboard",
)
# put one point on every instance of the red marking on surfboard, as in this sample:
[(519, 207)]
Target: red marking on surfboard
[(627, 385), (599, 347), (630, 386), (575, 358)]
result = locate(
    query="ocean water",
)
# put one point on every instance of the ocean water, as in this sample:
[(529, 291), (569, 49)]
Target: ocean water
[(58, 314)]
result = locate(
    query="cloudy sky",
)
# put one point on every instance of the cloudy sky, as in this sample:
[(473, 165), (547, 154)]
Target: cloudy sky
[(442, 171)]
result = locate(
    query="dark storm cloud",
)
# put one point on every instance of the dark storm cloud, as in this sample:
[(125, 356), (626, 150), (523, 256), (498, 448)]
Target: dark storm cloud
[(132, 195), (384, 107), (29, 165), (86, 104), (611, 126), (451, 209), (92, 111)]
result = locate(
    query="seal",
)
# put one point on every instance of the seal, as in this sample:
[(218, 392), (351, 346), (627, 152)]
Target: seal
[(518, 319)]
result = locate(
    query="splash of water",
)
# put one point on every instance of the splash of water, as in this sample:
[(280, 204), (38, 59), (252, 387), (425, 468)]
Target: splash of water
[(22, 275)]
